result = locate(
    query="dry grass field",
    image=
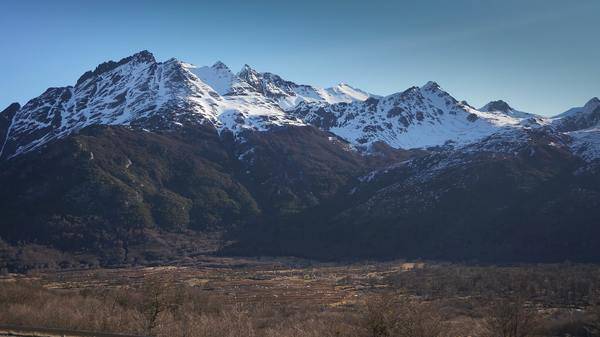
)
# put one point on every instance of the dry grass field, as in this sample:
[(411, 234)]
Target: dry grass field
[(215, 296)]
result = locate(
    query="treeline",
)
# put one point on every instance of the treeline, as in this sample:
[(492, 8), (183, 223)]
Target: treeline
[(564, 285)]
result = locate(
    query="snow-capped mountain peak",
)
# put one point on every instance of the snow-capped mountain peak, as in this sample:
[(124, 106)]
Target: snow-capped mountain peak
[(143, 56), (588, 107), (250, 76), (138, 91), (222, 79), (345, 93), (418, 117), (502, 107), (582, 124), (591, 105), (219, 65), (431, 86), (289, 94), (434, 92), (498, 105), (579, 118)]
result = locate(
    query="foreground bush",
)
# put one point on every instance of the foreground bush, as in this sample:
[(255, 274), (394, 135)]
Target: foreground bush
[(169, 309)]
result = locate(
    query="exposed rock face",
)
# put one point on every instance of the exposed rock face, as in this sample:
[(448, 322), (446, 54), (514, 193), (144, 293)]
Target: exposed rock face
[(499, 105), (580, 118), (6, 118), (139, 92), (416, 118)]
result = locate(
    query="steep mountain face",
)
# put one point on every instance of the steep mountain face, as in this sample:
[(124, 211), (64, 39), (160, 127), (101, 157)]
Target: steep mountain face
[(120, 195), (145, 161), (223, 80), (579, 118), (95, 189), (535, 203), (6, 117), (143, 93), (582, 124), (140, 92), (289, 94), (586, 143), (416, 118)]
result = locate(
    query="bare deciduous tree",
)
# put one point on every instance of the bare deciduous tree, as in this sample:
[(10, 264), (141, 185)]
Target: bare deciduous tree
[(389, 316), (511, 318), (593, 327)]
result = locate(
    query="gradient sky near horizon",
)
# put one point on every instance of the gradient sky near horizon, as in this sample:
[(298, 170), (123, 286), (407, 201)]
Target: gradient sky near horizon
[(541, 56)]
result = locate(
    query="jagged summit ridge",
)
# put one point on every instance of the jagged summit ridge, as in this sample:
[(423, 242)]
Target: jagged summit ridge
[(136, 91), (592, 104), (289, 94), (582, 125), (140, 92), (222, 79), (579, 118), (418, 117), (143, 56)]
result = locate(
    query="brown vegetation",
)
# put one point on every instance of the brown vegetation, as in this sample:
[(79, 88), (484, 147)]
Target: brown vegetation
[(262, 298), (511, 318), (388, 315)]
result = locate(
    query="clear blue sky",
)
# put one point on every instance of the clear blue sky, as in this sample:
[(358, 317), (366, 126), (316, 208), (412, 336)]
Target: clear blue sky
[(541, 56)]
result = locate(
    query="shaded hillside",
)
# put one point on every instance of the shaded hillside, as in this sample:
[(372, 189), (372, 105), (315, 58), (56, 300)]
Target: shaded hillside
[(108, 189), (538, 204)]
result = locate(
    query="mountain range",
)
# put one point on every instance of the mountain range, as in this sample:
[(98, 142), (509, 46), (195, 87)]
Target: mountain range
[(143, 161)]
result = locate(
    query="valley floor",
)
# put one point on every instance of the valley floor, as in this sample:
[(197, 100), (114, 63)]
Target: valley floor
[(214, 296)]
